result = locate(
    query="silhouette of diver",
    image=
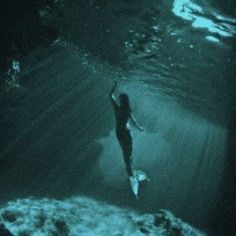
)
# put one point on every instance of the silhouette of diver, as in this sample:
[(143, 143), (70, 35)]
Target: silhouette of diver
[(123, 115), (123, 133)]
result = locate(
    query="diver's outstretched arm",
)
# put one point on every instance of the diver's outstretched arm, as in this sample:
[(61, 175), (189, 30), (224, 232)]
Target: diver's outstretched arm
[(136, 123), (112, 95)]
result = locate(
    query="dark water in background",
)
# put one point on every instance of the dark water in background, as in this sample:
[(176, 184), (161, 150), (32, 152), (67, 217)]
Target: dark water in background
[(177, 63)]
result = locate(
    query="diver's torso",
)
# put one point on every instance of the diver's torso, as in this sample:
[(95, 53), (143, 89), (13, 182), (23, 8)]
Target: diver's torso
[(122, 120)]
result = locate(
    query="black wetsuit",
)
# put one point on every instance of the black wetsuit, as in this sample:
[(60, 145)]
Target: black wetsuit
[(123, 134)]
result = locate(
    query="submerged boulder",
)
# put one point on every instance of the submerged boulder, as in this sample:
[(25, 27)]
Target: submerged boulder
[(4, 231), (84, 216)]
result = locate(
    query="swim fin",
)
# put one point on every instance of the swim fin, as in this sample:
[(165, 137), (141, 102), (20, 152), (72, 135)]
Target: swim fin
[(134, 183), (141, 176), (138, 176)]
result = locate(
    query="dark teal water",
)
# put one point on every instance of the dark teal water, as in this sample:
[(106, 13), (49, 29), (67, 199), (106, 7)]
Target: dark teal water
[(176, 61)]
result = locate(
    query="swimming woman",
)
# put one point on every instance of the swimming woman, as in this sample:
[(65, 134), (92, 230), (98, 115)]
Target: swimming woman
[(123, 115)]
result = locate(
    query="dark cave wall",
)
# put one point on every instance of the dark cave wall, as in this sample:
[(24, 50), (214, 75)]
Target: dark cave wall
[(21, 28)]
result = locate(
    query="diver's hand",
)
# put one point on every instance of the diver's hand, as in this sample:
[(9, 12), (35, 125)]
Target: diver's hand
[(114, 87)]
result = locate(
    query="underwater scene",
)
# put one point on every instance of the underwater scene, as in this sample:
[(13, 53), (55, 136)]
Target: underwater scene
[(118, 117)]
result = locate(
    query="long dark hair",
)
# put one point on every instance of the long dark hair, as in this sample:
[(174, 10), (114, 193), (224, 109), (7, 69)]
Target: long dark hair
[(124, 103)]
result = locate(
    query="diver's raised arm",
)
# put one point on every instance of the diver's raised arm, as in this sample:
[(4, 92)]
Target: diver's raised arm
[(135, 122), (112, 95), (113, 90)]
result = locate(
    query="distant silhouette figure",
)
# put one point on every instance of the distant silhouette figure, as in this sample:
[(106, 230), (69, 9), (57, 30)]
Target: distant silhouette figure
[(123, 114)]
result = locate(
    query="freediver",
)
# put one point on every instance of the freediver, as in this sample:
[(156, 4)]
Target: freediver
[(123, 114)]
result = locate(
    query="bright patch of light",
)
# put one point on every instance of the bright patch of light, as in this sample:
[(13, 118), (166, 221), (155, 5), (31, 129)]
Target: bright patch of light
[(226, 19), (185, 9), (212, 39), (202, 22), (194, 13)]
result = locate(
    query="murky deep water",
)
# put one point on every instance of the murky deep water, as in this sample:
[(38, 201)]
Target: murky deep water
[(176, 61)]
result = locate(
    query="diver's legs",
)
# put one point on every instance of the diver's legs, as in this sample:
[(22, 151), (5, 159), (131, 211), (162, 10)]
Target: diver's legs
[(128, 163), (127, 153), (125, 140)]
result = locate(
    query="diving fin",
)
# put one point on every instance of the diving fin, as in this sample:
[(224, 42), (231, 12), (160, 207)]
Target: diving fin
[(141, 176), (134, 183), (138, 176)]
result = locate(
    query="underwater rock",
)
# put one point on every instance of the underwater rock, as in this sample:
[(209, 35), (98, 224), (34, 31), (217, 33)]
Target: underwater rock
[(62, 227), (84, 216), (165, 223), (9, 216), (4, 231)]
